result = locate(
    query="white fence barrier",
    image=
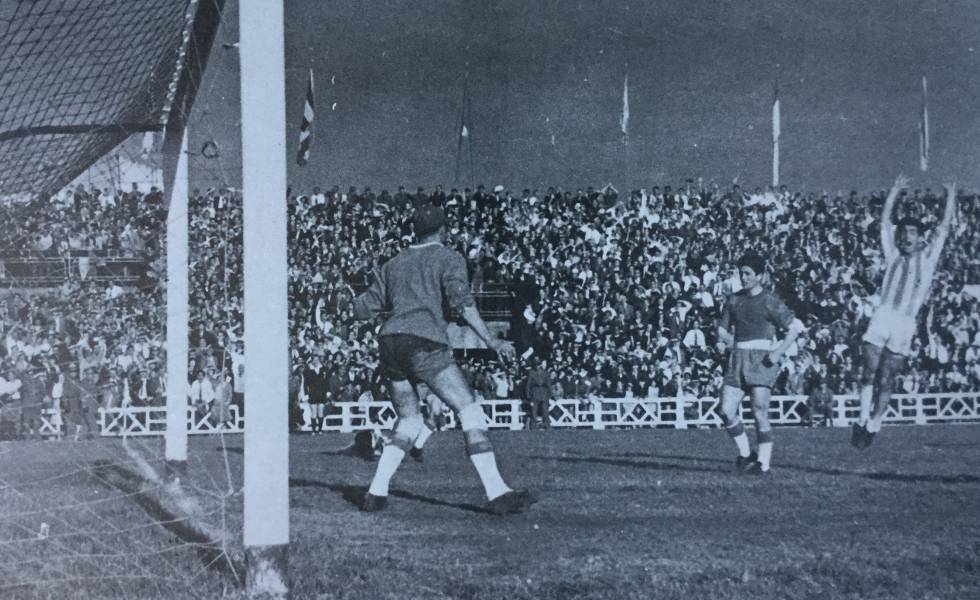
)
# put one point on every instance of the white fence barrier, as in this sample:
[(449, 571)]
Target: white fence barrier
[(604, 413)]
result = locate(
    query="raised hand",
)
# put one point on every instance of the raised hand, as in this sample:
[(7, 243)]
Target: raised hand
[(901, 182), (503, 347)]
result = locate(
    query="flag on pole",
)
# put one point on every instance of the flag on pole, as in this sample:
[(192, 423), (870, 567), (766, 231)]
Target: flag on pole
[(306, 127), (924, 131), (776, 132), (464, 132), (624, 121)]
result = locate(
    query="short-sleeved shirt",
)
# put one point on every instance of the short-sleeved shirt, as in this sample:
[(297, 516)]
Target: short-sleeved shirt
[(419, 287), (757, 317)]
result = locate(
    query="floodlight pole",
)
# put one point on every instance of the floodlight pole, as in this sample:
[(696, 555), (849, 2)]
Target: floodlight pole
[(177, 313), (266, 494)]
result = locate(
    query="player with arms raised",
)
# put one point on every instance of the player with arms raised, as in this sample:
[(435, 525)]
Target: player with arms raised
[(418, 287), (748, 325), (910, 264)]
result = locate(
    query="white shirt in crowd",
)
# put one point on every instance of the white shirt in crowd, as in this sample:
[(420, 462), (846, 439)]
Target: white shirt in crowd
[(201, 391)]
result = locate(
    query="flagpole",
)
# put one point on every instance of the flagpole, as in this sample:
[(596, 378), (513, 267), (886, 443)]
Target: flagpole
[(776, 132), (624, 126), (924, 130), (463, 133)]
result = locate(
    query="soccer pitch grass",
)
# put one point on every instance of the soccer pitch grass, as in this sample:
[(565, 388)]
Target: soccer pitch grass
[(622, 514)]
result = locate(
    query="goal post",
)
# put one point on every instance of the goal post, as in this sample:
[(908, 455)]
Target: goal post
[(266, 460)]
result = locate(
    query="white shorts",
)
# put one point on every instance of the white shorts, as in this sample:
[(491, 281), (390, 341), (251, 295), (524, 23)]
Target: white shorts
[(891, 329)]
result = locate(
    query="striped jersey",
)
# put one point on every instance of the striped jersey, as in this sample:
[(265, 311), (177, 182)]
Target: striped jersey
[(908, 277)]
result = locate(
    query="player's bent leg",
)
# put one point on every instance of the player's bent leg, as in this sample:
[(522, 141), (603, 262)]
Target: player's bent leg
[(763, 429), (406, 430), (870, 365), (891, 365), (731, 400), (452, 389), (871, 362)]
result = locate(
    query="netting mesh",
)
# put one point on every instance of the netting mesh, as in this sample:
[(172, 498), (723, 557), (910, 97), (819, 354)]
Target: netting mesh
[(76, 78)]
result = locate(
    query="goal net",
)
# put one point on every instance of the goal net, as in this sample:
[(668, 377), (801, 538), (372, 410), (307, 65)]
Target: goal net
[(77, 77)]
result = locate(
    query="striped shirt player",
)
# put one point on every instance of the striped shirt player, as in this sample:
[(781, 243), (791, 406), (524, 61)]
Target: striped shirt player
[(909, 272), (910, 265)]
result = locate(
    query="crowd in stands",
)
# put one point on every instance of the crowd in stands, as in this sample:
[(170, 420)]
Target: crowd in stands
[(620, 295), (83, 221), (615, 295)]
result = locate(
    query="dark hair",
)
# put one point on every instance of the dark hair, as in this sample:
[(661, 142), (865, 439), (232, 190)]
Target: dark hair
[(428, 219), (910, 222), (753, 261)]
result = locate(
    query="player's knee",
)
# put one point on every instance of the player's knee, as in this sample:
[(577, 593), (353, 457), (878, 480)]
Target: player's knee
[(406, 430), (477, 442), (735, 429), (472, 418), (885, 382)]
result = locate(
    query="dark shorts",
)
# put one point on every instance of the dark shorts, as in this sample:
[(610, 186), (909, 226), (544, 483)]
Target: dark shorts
[(412, 358), (746, 369)]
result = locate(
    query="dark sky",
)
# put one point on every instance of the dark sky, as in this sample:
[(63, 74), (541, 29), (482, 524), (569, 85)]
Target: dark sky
[(701, 78)]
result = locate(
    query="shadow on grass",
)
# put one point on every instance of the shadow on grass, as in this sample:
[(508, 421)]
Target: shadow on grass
[(636, 464), (345, 451), (355, 494), (131, 484), (961, 478)]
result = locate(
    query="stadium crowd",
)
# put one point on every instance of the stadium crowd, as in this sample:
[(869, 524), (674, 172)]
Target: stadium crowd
[(614, 296)]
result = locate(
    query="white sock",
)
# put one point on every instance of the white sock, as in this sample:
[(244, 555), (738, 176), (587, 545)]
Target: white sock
[(867, 391), (874, 424), (742, 441), (765, 453), (486, 467), (423, 436), (391, 457)]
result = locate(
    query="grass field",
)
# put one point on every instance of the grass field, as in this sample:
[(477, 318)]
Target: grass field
[(622, 514)]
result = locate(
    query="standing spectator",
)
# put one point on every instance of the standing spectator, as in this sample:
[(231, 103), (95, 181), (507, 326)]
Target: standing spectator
[(538, 395), (820, 404), (201, 394), (315, 386)]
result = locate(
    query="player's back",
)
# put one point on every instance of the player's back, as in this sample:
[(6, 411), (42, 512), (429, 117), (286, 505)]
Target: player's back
[(420, 283)]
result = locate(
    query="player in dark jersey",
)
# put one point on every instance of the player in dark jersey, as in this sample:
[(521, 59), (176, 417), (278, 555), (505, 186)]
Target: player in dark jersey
[(748, 325), (418, 287)]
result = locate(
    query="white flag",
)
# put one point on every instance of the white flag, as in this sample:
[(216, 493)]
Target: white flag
[(625, 119)]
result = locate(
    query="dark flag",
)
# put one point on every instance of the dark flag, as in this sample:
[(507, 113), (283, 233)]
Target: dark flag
[(306, 128)]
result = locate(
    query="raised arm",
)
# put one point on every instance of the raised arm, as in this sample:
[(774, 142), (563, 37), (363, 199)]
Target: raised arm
[(887, 227), (943, 229)]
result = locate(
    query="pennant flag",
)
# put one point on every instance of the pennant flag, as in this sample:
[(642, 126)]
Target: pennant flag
[(624, 121), (306, 127), (924, 131), (776, 132)]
